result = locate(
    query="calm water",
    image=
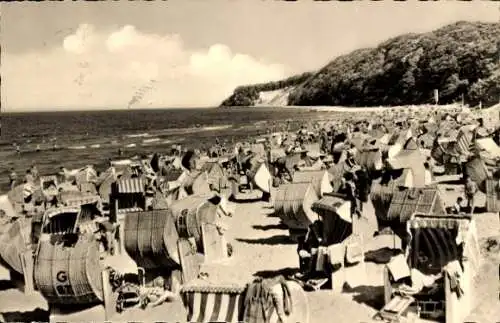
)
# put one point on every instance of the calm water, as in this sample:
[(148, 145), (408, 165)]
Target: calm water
[(94, 137)]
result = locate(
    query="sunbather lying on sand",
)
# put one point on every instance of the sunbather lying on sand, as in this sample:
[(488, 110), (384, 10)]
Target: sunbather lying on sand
[(156, 296)]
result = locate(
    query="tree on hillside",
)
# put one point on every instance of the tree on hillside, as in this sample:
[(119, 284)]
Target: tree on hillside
[(460, 59)]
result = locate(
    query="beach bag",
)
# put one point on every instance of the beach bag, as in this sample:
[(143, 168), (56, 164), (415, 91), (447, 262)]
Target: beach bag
[(354, 251)]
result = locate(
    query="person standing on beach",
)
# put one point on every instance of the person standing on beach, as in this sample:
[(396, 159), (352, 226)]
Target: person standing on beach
[(107, 231), (363, 184), (324, 140), (28, 178), (350, 190), (470, 191), (34, 171), (12, 178), (64, 174), (332, 134)]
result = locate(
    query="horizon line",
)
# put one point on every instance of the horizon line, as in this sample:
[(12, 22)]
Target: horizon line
[(95, 109)]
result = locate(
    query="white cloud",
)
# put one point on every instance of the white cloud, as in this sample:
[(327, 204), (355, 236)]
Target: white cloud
[(96, 69)]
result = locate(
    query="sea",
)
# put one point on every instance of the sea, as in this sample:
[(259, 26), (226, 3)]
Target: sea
[(74, 139)]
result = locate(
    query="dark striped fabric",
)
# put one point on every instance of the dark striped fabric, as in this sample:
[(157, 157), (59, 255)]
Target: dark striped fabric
[(213, 304), (131, 185), (436, 237)]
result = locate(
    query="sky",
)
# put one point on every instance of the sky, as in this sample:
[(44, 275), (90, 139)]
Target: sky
[(178, 53)]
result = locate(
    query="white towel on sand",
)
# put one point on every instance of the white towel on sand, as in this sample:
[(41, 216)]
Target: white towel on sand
[(336, 253)]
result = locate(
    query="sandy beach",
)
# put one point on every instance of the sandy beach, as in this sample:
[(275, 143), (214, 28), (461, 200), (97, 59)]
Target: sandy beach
[(262, 248), (208, 162)]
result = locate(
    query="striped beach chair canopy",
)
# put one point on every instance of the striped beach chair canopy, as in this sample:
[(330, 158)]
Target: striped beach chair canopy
[(60, 220), (408, 201), (130, 186), (439, 238)]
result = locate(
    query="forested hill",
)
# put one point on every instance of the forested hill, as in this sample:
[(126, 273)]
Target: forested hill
[(461, 59)]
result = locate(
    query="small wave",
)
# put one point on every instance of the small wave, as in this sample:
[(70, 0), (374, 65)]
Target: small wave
[(130, 145), (146, 141), (179, 131), (137, 135), (95, 146), (77, 147), (121, 162), (212, 128)]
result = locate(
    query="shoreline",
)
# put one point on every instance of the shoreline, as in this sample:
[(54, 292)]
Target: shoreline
[(259, 106), (344, 109)]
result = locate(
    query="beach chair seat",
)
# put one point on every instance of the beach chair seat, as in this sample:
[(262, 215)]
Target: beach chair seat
[(315, 284), (397, 310)]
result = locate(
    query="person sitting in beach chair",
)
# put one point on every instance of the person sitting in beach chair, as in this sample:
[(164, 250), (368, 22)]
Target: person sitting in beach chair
[(457, 207), (350, 161), (351, 193), (106, 234), (240, 159), (363, 183), (52, 196), (306, 249)]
